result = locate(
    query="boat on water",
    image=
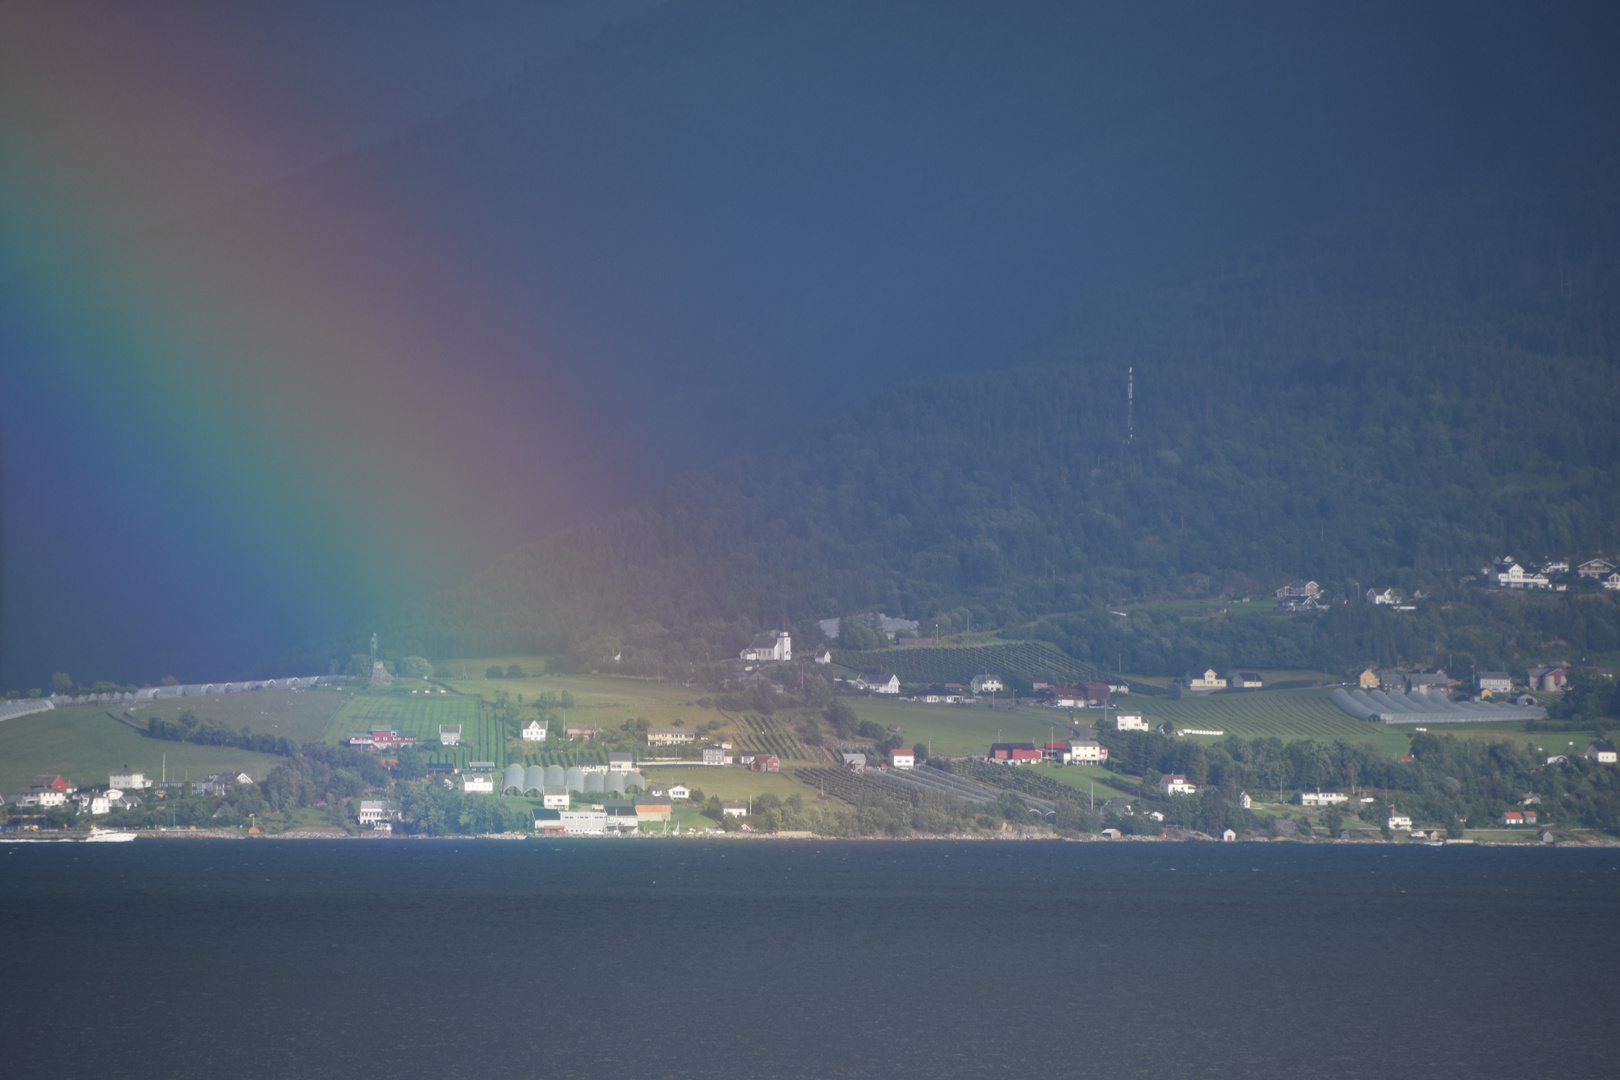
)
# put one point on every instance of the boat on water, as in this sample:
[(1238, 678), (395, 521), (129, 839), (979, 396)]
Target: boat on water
[(98, 837)]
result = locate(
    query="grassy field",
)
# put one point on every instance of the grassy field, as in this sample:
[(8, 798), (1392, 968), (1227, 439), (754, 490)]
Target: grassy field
[(958, 730), (599, 700), (960, 663), (1083, 778), (730, 784), (303, 716), (83, 743), (421, 715)]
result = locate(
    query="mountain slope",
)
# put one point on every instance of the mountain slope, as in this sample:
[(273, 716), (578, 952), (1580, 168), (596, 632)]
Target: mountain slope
[(1395, 401)]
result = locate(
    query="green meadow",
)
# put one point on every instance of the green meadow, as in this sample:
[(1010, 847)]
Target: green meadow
[(84, 743), (302, 716)]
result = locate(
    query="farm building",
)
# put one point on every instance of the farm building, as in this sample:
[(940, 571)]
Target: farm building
[(1318, 797), (1014, 753), (671, 736), (548, 822), (449, 734)]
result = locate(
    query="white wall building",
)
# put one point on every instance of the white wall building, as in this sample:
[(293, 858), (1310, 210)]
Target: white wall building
[(1176, 784), (1087, 751), (1129, 721), (372, 812), (534, 731), (986, 684), (128, 779), (482, 782), (1322, 798), (777, 646)]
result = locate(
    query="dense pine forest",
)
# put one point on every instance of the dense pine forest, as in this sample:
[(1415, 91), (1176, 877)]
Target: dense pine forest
[(1394, 401)]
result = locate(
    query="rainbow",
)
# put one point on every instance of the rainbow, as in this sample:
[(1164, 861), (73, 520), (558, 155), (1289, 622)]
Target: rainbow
[(303, 393)]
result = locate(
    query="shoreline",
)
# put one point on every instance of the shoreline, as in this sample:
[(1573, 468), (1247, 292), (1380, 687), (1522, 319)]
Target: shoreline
[(1186, 838)]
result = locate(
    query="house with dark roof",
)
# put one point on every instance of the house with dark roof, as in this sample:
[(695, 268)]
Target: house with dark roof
[(548, 822), (1602, 752)]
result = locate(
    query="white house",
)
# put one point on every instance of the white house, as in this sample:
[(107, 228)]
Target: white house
[(621, 762), (1244, 800), (1496, 682), (902, 759), (824, 656), (882, 684), (855, 761), (128, 779), (679, 791), (1087, 751), (986, 684), (777, 646), (100, 804), (1176, 784), (670, 736), (535, 731), (734, 809), (1510, 575), (1208, 679), (1596, 568), (372, 812), (449, 734), (714, 755), (1382, 596), (1400, 821), (1322, 798), (478, 782), (554, 797), (1602, 752), (1130, 721)]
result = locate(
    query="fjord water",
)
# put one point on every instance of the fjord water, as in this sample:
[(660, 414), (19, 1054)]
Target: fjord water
[(805, 959)]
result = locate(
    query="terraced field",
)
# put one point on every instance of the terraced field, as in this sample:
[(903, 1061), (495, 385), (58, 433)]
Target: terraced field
[(771, 735), (959, 664), (857, 789)]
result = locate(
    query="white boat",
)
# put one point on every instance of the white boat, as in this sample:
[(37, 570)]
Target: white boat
[(99, 837)]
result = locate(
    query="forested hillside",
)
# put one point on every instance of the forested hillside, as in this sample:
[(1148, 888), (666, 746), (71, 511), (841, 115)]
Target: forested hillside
[(1395, 401)]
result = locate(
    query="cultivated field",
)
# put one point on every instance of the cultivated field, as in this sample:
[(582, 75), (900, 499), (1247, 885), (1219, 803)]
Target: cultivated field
[(421, 715), (84, 743), (300, 715)]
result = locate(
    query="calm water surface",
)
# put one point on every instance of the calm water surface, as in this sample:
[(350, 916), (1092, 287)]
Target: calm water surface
[(735, 959)]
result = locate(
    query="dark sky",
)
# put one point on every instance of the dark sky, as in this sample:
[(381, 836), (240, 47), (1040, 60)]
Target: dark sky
[(468, 274)]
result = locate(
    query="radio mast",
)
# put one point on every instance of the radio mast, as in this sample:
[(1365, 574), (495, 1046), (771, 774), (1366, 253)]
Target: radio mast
[(1130, 403)]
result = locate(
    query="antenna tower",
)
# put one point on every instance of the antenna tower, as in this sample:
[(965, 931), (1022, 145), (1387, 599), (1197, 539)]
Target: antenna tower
[(1130, 403)]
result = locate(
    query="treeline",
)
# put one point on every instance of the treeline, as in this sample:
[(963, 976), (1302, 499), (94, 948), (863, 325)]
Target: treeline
[(190, 728)]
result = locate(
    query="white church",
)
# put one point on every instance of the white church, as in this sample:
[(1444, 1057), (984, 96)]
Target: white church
[(776, 646)]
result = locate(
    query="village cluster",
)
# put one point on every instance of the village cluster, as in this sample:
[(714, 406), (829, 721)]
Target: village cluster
[(51, 790)]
